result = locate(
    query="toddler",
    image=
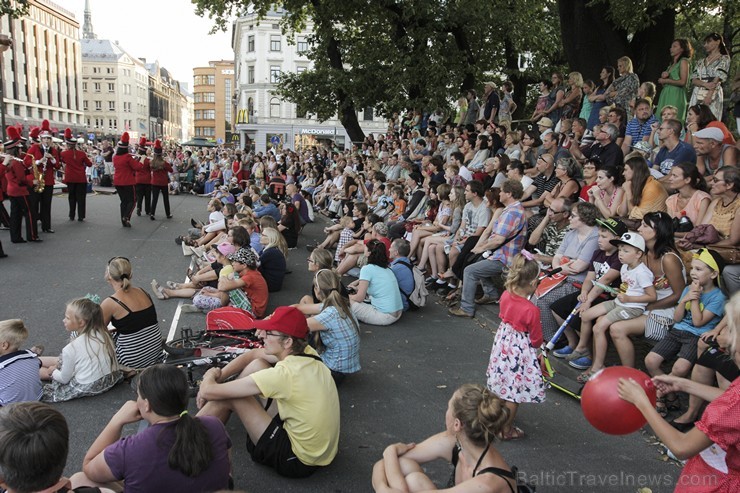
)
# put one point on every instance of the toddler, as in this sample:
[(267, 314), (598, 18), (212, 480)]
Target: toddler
[(19, 369)]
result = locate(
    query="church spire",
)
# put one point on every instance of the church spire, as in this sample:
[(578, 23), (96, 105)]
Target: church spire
[(87, 27)]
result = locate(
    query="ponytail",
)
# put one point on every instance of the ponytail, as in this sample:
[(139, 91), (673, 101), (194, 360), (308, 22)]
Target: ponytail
[(192, 453)]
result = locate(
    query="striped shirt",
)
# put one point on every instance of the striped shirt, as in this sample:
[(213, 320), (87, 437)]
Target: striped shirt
[(512, 222), (19, 377)]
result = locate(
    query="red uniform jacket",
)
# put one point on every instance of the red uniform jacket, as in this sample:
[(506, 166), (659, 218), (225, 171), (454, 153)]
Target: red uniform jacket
[(160, 178), (18, 179), (3, 182), (125, 166), (75, 162), (36, 152), (144, 176)]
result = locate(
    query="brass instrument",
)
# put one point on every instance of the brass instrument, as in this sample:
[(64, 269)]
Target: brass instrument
[(38, 175), (3, 156)]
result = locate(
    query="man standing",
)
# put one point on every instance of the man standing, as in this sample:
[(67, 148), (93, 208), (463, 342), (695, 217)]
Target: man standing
[(304, 434), (125, 165), (473, 108), (46, 158), (75, 162), (20, 185), (640, 126), (143, 180), (108, 170), (503, 239), (490, 111), (672, 149)]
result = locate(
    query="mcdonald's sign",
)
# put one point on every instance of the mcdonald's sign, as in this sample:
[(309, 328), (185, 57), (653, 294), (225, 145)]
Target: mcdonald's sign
[(242, 116)]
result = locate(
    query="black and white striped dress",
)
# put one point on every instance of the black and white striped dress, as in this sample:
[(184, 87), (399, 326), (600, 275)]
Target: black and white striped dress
[(137, 337)]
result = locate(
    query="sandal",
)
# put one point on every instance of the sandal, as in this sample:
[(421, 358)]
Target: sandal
[(453, 295), (515, 433), (172, 285), (585, 376), (664, 405), (158, 291)]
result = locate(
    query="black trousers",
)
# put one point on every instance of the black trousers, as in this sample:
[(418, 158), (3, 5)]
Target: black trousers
[(461, 261), (127, 196), (4, 216), (20, 209), (143, 194), (44, 206), (165, 199), (77, 196)]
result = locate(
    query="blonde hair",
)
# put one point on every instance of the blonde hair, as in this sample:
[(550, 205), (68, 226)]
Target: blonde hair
[(329, 292), (346, 222), (119, 269), (322, 258), (627, 61), (482, 413), (13, 332), (91, 315), (275, 239), (521, 273), (577, 78)]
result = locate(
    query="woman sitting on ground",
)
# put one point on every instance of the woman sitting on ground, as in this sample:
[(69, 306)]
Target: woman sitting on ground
[(642, 192), (378, 283), (433, 249), (273, 258), (423, 230), (290, 224), (474, 419), (131, 312), (338, 329), (608, 193), (176, 452)]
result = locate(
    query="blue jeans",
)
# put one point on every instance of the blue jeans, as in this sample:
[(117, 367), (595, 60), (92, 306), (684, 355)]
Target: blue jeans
[(482, 271)]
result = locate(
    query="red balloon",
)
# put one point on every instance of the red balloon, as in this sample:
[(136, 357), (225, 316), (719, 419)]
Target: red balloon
[(603, 407)]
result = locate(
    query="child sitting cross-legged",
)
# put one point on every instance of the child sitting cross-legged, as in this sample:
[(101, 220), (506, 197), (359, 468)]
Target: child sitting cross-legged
[(700, 310), (19, 369), (638, 291)]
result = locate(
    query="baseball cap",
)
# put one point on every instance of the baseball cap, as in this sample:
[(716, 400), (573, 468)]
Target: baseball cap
[(710, 133), (631, 238), (641, 146), (545, 122), (614, 225), (286, 320)]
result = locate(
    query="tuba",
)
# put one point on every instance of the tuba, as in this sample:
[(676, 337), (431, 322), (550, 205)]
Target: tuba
[(38, 175)]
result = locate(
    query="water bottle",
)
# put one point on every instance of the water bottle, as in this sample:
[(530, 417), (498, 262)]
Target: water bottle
[(684, 223)]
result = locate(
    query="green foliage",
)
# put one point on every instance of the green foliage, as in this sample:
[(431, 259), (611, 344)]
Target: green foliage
[(13, 8)]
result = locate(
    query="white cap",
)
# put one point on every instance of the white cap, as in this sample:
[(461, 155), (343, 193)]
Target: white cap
[(710, 133), (631, 238)]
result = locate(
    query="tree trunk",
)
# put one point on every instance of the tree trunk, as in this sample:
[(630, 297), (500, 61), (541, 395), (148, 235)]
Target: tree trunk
[(649, 47), (517, 79)]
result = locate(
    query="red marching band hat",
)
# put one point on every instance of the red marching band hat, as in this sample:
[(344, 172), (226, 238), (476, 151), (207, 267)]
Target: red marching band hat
[(14, 138), (45, 129), (68, 137), (158, 147), (124, 140), (34, 134)]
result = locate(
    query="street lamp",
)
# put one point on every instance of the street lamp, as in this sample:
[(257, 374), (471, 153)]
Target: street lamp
[(5, 43)]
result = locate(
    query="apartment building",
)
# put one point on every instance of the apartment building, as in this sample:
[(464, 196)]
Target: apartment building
[(213, 104)]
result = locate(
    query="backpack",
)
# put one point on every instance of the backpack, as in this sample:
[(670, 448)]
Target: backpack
[(418, 297)]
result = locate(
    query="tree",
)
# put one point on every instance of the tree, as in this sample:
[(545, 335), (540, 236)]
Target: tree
[(13, 8)]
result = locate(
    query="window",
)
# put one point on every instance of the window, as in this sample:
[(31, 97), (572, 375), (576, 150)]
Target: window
[(112, 123), (87, 122), (229, 95), (367, 114), (250, 43), (109, 70), (274, 42), (300, 70), (274, 108), (205, 114), (204, 97), (302, 45), (274, 74), (98, 105), (205, 80), (96, 70), (205, 132), (250, 74), (111, 87), (84, 86), (111, 106), (84, 108), (96, 86)]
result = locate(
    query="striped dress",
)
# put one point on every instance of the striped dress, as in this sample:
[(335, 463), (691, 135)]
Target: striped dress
[(137, 337)]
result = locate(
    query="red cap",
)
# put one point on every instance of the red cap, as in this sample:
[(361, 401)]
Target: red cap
[(142, 142), (124, 140), (45, 129), (157, 146), (287, 320), (34, 134)]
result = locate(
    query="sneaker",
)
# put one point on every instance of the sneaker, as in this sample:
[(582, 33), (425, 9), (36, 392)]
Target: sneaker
[(178, 240), (486, 300), (188, 308), (459, 312), (445, 290), (582, 363), (430, 280), (575, 354), (563, 352)]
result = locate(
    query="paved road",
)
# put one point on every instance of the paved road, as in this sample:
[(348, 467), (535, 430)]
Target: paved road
[(409, 369)]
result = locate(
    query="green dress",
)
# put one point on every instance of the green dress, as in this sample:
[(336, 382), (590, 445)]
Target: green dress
[(673, 95)]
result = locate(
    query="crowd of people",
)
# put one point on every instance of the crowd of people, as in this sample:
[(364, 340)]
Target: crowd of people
[(634, 202)]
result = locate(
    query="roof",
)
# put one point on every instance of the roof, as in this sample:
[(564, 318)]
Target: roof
[(104, 49)]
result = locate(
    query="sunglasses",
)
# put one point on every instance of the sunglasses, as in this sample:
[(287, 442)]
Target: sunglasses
[(122, 258)]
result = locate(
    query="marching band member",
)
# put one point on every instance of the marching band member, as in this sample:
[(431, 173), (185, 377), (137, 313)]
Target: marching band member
[(46, 157), (143, 180), (160, 180), (124, 179), (75, 162), (20, 180)]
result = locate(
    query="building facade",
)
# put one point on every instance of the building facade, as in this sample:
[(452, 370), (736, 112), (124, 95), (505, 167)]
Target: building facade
[(263, 120), (41, 70), (213, 104), (115, 87), (166, 104)]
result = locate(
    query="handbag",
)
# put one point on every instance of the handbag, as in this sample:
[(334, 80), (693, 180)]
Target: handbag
[(730, 254), (702, 234)]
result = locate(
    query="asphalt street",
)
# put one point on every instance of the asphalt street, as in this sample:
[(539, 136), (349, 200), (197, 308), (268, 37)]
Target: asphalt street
[(409, 370)]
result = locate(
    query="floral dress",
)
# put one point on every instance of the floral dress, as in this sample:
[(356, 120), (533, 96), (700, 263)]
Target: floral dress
[(514, 372), (719, 68)]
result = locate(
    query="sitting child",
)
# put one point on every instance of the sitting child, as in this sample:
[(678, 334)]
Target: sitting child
[(19, 369), (399, 203), (87, 365), (700, 309), (345, 236), (638, 291)]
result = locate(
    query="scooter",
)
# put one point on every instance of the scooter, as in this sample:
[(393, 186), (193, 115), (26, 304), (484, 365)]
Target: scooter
[(549, 375)]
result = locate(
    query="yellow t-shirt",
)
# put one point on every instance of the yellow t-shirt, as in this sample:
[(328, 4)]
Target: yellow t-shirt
[(654, 199), (308, 404)]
